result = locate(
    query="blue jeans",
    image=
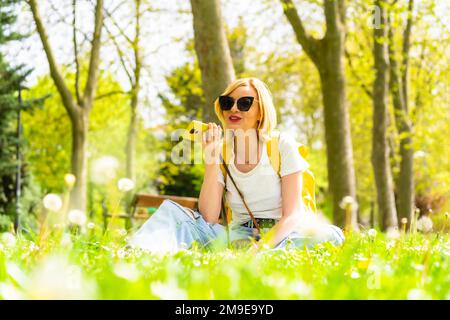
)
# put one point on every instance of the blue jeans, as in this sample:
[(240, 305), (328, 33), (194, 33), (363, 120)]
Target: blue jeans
[(172, 227)]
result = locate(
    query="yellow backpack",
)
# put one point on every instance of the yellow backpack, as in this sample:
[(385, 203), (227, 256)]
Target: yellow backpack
[(273, 151)]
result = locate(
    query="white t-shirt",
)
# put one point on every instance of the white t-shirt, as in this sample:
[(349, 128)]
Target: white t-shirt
[(261, 186)]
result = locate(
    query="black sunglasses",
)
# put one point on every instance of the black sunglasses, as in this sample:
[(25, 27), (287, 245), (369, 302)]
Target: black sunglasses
[(243, 103)]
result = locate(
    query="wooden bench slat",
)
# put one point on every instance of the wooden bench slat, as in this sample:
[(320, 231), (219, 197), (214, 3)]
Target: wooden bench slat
[(152, 200), (145, 200)]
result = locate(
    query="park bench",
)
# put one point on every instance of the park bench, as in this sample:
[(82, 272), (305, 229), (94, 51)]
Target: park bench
[(143, 205)]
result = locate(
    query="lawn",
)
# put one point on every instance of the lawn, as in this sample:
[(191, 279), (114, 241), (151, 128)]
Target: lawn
[(90, 265)]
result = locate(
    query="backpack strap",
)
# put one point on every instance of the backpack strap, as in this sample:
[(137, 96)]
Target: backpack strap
[(226, 156), (273, 151), (308, 181)]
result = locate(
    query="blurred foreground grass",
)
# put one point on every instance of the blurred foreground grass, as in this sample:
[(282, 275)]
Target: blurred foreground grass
[(89, 266)]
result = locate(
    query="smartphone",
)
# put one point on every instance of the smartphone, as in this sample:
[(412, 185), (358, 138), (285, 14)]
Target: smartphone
[(194, 131)]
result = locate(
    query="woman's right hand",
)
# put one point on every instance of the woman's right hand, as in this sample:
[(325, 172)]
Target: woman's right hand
[(211, 142)]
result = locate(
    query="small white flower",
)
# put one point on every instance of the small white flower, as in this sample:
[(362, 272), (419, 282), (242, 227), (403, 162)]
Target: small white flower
[(355, 275), (8, 239), (56, 278), (392, 233), (77, 217), (66, 241), (70, 180), (91, 225), (121, 232), (127, 271), (425, 224), (125, 185), (390, 245), (168, 291), (196, 263), (9, 292), (418, 267), (418, 294), (300, 288), (52, 202), (372, 233)]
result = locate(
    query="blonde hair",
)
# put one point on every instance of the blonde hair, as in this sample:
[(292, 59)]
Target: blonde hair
[(268, 120)]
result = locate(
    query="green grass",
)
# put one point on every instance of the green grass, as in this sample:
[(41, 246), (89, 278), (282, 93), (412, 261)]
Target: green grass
[(89, 266)]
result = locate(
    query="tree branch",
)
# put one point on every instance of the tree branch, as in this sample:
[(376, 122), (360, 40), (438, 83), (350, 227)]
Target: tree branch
[(60, 84), (75, 51), (136, 49), (405, 52), (356, 75), (109, 94), (122, 33), (308, 43), (341, 10), (95, 56), (121, 55)]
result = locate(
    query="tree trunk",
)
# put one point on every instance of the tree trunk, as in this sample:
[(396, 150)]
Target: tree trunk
[(380, 147), (341, 175), (212, 51), (136, 87), (131, 141), (399, 89), (79, 161), (328, 56), (78, 107)]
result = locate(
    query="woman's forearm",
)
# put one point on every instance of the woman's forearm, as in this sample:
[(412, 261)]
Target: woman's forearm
[(210, 199)]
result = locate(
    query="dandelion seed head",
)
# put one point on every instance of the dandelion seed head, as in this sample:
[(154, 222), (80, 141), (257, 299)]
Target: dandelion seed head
[(52, 202), (125, 184), (347, 202), (77, 217), (372, 233), (425, 224)]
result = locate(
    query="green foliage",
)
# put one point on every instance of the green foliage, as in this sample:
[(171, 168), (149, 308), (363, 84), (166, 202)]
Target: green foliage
[(8, 17), (185, 84), (367, 266), (48, 132), (11, 78)]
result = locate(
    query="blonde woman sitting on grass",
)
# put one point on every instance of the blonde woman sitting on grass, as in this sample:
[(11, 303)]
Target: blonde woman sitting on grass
[(260, 199)]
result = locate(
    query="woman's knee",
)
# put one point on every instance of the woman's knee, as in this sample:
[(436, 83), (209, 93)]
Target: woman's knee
[(324, 233), (336, 235), (170, 208)]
